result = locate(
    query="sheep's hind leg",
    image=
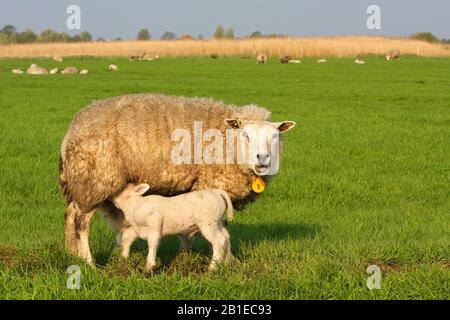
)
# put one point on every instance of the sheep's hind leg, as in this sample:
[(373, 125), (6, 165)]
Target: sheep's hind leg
[(82, 227), (70, 229), (228, 255), (218, 241)]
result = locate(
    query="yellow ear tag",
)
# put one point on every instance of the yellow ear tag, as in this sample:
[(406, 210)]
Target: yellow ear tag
[(258, 185)]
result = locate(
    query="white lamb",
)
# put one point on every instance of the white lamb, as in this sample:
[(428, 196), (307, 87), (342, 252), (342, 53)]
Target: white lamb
[(113, 67), (153, 217)]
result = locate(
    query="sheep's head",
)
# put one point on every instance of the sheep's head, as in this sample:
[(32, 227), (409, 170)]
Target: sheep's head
[(258, 142), (131, 191)]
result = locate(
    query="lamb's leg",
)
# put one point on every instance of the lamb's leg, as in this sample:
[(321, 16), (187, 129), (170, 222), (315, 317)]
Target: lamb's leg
[(228, 255), (213, 234), (127, 238), (82, 227), (153, 243), (69, 228), (186, 241)]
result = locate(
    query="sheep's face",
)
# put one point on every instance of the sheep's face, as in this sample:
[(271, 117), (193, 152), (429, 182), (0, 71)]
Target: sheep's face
[(258, 144)]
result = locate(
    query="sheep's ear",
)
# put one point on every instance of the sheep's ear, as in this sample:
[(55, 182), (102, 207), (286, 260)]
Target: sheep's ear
[(284, 126), (141, 189), (233, 123)]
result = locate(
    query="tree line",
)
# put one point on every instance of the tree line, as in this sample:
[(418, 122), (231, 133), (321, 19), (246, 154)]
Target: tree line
[(10, 35)]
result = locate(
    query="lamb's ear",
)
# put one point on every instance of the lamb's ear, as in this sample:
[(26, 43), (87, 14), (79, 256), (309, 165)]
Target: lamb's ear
[(233, 123), (141, 189), (284, 126)]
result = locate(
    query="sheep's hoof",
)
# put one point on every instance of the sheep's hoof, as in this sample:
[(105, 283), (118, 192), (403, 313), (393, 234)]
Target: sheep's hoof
[(149, 269)]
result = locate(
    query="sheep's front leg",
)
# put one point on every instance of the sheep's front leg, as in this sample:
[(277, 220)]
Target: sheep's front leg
[(126, 240), (186, 241), (153, 243)]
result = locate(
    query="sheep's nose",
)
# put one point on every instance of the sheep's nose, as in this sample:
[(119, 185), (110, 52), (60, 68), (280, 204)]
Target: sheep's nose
[(263, 158)]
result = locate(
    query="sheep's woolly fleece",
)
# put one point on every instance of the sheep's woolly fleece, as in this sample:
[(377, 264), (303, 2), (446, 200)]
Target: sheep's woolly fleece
[(128, 139)]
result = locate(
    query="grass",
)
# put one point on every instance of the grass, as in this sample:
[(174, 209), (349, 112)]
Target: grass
[(364, 180), (345, 46)]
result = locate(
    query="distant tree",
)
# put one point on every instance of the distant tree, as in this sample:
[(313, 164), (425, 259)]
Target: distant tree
[(229, 34), (75, 38), (100, 39), (48, 35), (27, 36), (9, 30), (85, 36), (425, 36), (168, 35), (64, 37), (117, 39), (144, 34), (3, 38), (255, 34), (219, 33), (201, 36)]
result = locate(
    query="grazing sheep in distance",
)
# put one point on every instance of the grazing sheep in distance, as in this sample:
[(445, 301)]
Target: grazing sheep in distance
[(111, 143), (17, 71), (84, 71), (154, 217), (359, 61), (113, 67), (285, 58), (322, 61), (261, 58), (294, 61), (34, 69), (70, 70), (54, 71), (392, 55), (148, 57), (57, 58)]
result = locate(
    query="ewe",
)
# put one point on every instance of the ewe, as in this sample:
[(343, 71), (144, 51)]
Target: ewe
[(359, 61), (392, 55), (261, 58), (294, 61), (154, 217), (84, 71), (70, 70), (34, 69), (57, 58), (54, 71), (285, 58), (17, 71), (322, 61)]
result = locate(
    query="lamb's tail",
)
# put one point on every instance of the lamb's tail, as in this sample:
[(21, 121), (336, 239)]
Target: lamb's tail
[(226, 198)]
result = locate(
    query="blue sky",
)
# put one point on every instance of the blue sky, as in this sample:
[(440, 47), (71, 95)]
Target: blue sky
[(110, 19)]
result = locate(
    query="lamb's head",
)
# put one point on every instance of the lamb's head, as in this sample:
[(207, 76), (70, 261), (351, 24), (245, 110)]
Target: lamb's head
[(258, 143), (127, 196)]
